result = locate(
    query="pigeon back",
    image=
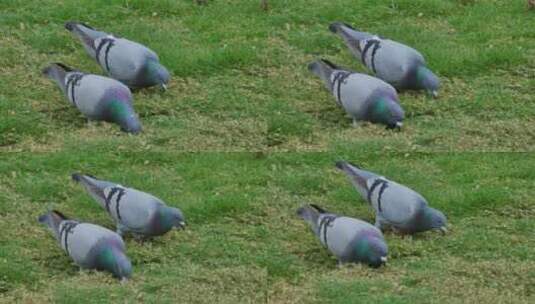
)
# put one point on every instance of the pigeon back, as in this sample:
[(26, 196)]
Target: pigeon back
[(395, 203), (90, 94), (78, 241), (341, 235), (124, 60), (354, 92), (393, 62), (132, 208)]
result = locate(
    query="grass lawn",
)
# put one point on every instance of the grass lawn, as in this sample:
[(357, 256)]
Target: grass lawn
[(245, 135)]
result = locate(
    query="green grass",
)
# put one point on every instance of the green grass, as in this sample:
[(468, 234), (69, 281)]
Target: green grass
[(245, 134)]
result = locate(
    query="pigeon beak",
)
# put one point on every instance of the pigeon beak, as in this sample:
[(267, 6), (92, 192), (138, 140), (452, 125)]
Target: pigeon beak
[(164, 86), (434, 94), (181, 225), (124, 280), (399, 124), (384, 259), (443, 230)]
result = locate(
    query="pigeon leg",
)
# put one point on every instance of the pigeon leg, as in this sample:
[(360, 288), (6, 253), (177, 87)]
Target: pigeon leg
[(121, 229), (379, 223), (402, 234), (140, 238)]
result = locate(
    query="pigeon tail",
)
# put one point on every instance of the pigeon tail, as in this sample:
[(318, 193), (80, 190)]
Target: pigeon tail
[(57, 72), (351, 37), (318, 208), (94, 186), (53, 219), (348, 32), (86, 34), (77, 177), (310, 214), (71, 25), (337, 26), (343, 165), (357, 176), (58, 66), (323, 69)]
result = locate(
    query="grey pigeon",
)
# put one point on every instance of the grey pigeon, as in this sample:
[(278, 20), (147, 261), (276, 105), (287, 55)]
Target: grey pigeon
[(129, 62), (133, 211), (398, 64), (349, 239), (90, 246), (97, 97), (395, 205), (362, 96)]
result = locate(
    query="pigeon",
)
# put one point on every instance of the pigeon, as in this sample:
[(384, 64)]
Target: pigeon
[(398, 64), (129, 62), (90, 246), (362, 96), (350, 240), (395, 205), (133, 211), (97, 97)]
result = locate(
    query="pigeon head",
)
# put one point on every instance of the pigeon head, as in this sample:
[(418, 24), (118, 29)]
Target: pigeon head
[(387, 111), (123, 114), (434, 219), (169, 218), (371, 249), (154, 73), (111, 258), (427, 80)]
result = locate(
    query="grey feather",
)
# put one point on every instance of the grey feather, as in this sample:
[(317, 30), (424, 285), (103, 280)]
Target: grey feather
[(363, 97), (348, 239), (395, 205), (132, 210), (398, 64), (90, 246), (96, 97), (127, 61)]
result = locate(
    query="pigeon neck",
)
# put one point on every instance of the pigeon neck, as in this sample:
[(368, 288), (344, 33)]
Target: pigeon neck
[(370, 248), (122, 113), (154, 73), (425, 79), (164, 220), (118, 110), (106, 259), (112, 259), (380, 111)]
